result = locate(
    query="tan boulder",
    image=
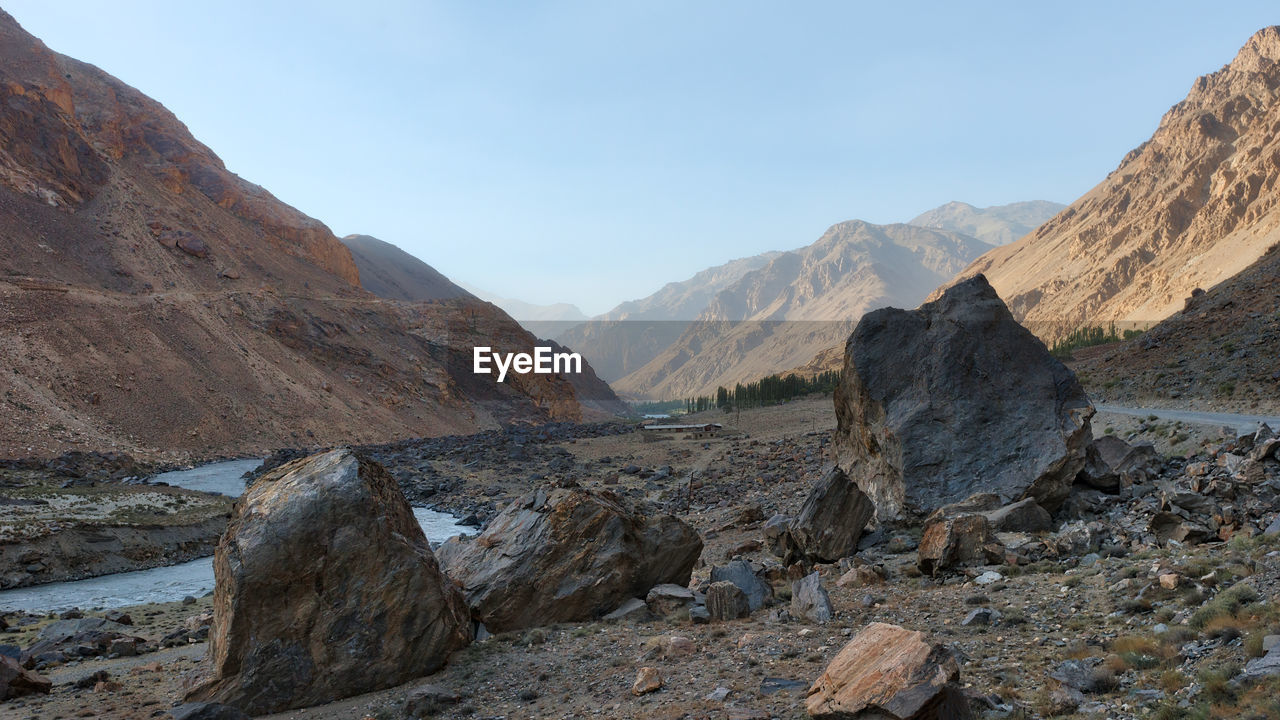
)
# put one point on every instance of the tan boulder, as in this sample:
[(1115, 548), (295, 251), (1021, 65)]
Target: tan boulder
[(726, 601), (648, 679), (325, 587), (958, 540), (889, 673)]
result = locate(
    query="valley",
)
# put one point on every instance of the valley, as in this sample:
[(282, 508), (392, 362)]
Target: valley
[(250, 468)]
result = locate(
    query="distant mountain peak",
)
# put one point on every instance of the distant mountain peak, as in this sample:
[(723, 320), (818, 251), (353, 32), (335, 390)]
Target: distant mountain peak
[(995, 225)]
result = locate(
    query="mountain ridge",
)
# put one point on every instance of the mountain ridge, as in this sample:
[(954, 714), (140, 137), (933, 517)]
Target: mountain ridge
[(1190, 207), (994, 225), (156, 303)]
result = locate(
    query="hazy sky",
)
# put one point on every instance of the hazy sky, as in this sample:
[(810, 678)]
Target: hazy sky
[(591, 151)]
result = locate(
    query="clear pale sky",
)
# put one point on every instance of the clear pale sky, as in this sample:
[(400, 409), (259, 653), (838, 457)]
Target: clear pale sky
[(589, 152)]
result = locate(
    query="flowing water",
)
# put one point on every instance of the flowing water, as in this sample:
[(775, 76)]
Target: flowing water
[(166, 584)]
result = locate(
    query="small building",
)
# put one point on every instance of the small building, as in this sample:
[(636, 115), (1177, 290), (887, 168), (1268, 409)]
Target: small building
[(691, 432), (657, 416)]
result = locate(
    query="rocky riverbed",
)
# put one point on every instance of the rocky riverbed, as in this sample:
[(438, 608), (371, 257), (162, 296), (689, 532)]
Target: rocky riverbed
[(1157, 626), (54, 528)]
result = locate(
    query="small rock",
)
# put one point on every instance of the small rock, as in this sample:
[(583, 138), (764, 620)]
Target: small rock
[(809, 599), (631, 609), (726, 601), (207, 711), (648, 680), (981, 616)]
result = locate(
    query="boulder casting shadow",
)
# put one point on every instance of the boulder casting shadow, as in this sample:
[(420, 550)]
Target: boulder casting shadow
[(325, 588), (956, 398), (567, 554)]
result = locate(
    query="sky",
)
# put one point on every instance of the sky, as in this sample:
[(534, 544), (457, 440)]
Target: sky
[(590, 152)]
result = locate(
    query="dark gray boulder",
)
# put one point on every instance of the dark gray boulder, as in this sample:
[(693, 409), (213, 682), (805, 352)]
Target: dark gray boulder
[(207, 711), (325, 587), (954, 398), (740, 573), (566, 555), (830, 521), (1113, 463)]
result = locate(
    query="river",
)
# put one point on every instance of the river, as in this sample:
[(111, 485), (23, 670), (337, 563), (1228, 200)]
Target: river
[(174, 582)]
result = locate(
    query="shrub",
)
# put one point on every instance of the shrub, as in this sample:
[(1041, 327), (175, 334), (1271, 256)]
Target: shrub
[(1226, 603)]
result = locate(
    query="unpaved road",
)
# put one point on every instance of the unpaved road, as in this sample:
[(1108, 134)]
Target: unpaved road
[(1241, 423)]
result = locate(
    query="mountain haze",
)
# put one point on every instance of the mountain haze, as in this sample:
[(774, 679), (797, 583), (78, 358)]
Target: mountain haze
[(995, 225), (1187, 209), (392, 273), (544, 321), (634, 332), (780, 315)]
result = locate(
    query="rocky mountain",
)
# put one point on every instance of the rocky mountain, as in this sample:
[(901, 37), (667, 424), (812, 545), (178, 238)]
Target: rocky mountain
[(633, 333), (545, 321), (1187, 209), (780, 315), (389, 272), (1217, 353), (995, 225), (154, 302)]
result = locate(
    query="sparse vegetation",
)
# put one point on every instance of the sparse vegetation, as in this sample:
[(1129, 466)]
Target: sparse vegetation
[(770, 390), (1089, 336)]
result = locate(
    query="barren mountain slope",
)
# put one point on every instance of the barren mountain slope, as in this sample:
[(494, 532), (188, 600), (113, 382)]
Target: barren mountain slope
[(152, 301), (778, 317), (995, 225), (392, 273), (1189, 208), (632, 334), (1217, 354)]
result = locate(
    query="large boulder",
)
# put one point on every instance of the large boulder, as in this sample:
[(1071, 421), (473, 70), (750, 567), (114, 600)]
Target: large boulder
[(325, 587), (830, 522), (954, 398), (889, 673), (565, 555)]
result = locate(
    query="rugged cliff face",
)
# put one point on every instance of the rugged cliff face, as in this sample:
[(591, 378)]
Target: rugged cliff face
[(1190, 207), (153, 301)]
